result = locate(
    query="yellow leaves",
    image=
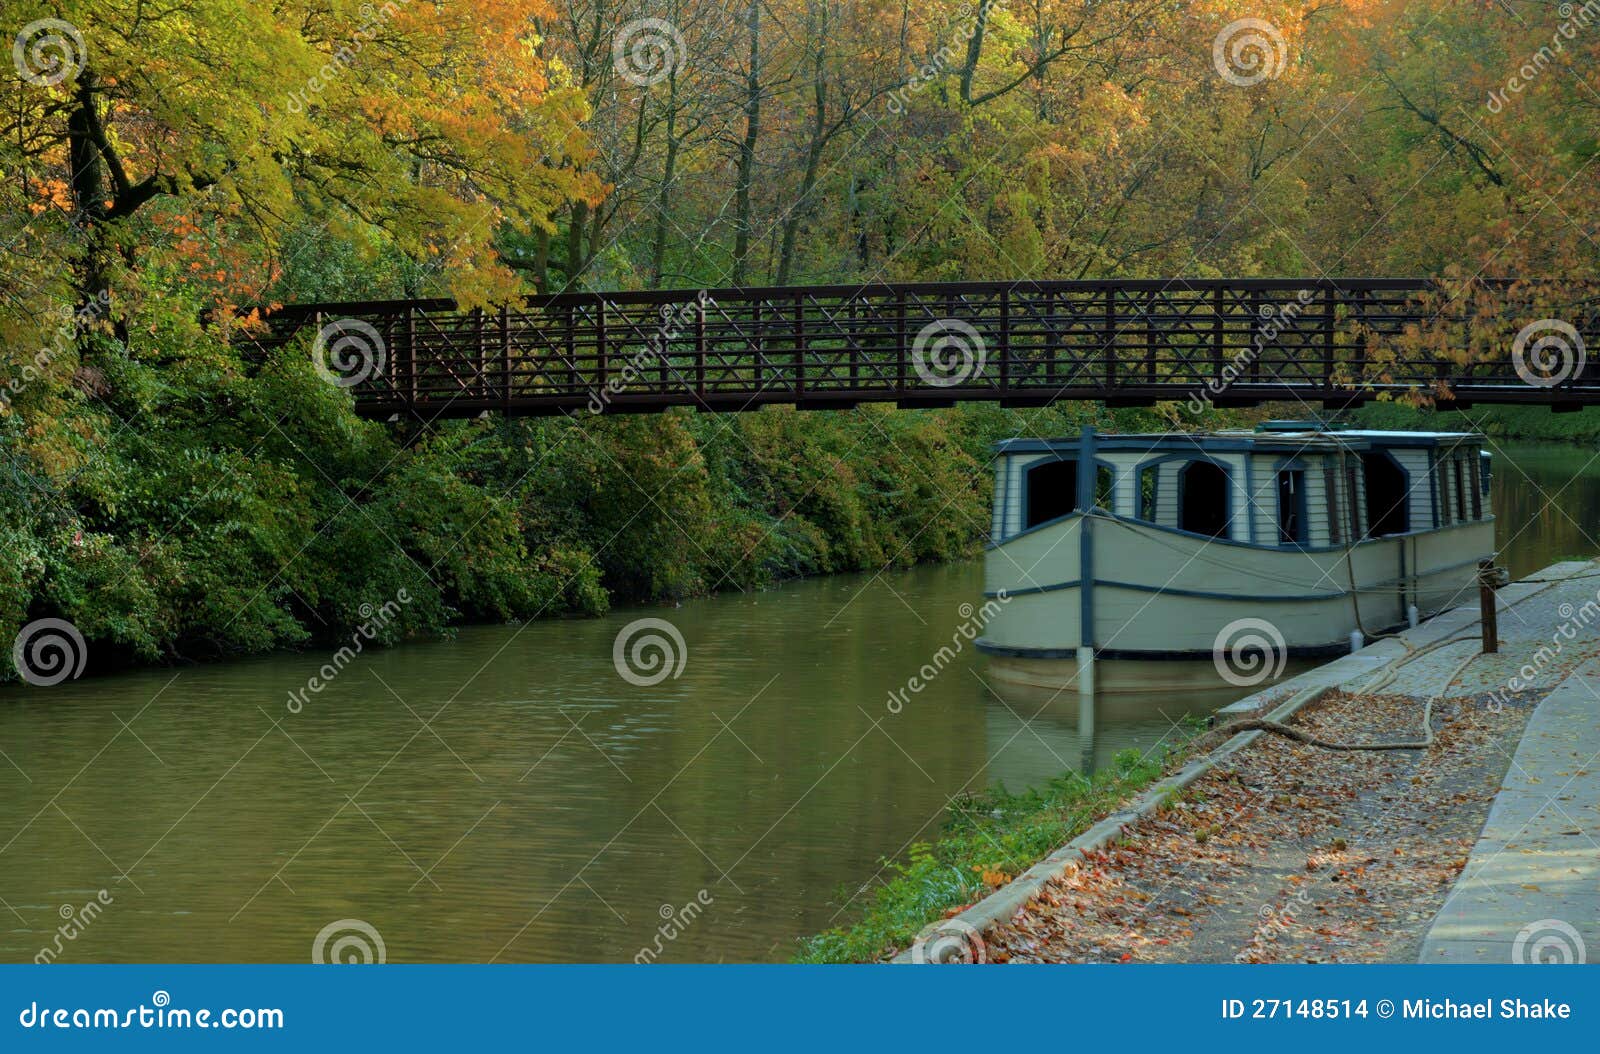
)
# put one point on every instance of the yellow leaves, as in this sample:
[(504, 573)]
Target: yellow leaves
[(992, 878)]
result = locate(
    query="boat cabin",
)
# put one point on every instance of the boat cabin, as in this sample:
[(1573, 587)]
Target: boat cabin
[(1281, 485)]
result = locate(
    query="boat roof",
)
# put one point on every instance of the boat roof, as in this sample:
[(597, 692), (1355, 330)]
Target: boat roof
[(1270, 437)]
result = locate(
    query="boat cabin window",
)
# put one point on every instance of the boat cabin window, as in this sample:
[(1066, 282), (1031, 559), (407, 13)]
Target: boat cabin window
[(1388, 491), (1051, 490), (1291, 507), (1203, 499)]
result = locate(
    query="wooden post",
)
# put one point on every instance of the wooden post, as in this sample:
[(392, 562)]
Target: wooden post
[(902, 352), (1330, 307), (1486, 607), (1108, 336), (600, 343), (761, 342), (700, 350), (799, 348), (1219, 331), (480, 361), (1151, 334), (505, 356), (571, 338), (411, 358)]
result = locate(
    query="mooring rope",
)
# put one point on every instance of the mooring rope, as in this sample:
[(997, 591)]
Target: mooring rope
[(1382, 679)]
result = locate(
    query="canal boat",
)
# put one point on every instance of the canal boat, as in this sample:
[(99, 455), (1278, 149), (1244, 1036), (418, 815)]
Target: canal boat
[(1226, 554)]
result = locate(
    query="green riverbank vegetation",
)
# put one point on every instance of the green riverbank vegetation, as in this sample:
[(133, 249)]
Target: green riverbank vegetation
[(197, 510), (987, 840), (1510, 422)]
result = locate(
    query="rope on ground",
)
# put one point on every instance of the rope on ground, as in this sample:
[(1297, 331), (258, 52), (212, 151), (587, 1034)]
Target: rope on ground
[(1384, 678)]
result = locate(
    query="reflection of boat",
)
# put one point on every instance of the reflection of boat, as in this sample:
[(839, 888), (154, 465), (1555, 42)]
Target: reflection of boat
[(1227, 552), (1043, 697), (1036, 730)]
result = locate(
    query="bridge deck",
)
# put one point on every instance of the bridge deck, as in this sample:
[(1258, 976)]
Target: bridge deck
[(1236, 342)]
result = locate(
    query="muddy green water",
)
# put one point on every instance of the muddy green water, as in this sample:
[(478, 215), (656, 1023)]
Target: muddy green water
[(507, 796)]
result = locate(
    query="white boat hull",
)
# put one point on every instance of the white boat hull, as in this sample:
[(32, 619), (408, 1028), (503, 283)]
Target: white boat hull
[(1157, 593)]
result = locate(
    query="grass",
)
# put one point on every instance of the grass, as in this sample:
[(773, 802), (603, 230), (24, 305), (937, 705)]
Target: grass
[(986, 840)]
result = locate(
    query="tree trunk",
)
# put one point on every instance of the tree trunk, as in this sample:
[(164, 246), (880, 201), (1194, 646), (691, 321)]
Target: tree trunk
[(808, 180), (669, 169), (88, 191), (575, 243), (969, 68), (747, 149)]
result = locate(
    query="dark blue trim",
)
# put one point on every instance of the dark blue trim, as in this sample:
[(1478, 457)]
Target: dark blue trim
[(1037, 527), (1294, 651), (1265, 442), (1250, 498), (1173, 591), (1292, 463), (1177, 509), (1204, 594), (1023, 470), (1146, 525)]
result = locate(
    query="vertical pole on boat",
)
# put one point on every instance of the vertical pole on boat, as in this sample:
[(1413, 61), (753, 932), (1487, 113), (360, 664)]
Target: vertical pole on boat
[(1085, 503)]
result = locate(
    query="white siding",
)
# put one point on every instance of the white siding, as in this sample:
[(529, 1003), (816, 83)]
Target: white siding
[(997, 523), (1420, 505)]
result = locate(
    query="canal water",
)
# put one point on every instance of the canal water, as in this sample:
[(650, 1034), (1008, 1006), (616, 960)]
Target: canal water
[(508, 795)]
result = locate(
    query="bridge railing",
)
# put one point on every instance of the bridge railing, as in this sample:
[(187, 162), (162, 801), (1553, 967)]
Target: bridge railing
[(932, 344)]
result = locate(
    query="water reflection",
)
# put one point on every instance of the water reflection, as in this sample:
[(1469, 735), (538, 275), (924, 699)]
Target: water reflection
[(1545, 496)]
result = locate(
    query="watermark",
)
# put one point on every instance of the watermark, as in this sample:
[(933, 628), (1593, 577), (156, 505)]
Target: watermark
[(1548, 352), (1248, 651), (1249, 51), (373, 19), (674, 923), (349, 942), (648, 651), (374, 619), (71, 322), (347, 352), (75, 921), (158, 1013), (1275, 318), (1573, 19), (948, 352), (48, 51), (949, 55), (48, 651), (1548, 942), (973, 620), (647, 51), (951, 942), (1573, 619), (673, 321)]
